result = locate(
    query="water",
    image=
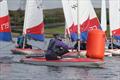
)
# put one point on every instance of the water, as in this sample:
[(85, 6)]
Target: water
[(19, 71)]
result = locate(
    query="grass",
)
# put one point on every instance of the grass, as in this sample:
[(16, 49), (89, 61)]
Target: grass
[(59, 29), (49, 31)]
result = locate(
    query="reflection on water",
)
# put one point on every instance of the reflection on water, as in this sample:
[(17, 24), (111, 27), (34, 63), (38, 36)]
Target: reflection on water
[(4, 70), (18, 71)]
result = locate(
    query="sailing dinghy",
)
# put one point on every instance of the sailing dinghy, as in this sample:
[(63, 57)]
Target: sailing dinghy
[(68, 61), (114, 13), (33, 26)]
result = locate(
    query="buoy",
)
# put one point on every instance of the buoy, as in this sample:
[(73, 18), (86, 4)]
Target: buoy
[(95, 44)]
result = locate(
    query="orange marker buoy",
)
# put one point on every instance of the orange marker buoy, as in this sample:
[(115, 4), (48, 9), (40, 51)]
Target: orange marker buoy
[(95, 44)]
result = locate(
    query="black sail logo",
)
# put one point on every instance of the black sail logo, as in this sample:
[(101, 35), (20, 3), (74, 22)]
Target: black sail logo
[(74, 6), (39, 4)]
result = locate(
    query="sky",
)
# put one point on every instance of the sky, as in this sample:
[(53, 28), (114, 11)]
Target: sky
[(47, 4)]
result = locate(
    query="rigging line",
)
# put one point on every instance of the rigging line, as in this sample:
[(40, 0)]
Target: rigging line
[(119, 12)]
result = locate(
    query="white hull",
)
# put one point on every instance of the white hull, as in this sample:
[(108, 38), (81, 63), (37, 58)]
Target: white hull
[(83, 53), (114, 52), (27, 51)]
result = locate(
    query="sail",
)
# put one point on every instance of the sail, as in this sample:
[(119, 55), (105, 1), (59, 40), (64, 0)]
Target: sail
[(73, 7), (68, 16), (33, 22), (114, 13), (5, 29), (87, 18), (103, 16), (73, 29)]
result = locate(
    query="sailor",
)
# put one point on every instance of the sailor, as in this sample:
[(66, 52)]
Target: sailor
[(115, 44), (21, 43), (82, 45), (56, 48)]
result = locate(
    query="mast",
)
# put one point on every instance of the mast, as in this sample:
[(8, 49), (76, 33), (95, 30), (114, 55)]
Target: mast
[(78, 26), (24, 27), (119, 12), (103, 16)]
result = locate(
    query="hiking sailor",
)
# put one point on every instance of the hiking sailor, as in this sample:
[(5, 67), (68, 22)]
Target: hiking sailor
[(56, 48)]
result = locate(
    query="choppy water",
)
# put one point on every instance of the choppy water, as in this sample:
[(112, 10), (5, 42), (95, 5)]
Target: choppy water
[(18, 71)]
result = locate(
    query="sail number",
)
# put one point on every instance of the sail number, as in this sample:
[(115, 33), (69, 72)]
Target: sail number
[(4, 26)]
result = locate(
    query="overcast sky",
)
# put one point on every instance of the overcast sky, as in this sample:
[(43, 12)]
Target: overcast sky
[(47, 4)]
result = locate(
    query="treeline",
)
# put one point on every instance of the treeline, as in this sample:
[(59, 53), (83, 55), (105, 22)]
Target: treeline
[(50, 17)]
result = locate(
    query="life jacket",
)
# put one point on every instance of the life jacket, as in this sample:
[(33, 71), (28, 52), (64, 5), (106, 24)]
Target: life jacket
[(51, 44), (58, 47)]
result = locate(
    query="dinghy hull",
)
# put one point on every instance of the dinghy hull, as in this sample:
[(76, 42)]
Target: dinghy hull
[(27, 51), (73, 62), (114, 52), (83, 53)]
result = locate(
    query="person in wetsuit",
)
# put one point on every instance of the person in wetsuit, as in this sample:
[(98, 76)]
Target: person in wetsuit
[(56, 48), (20, 42)]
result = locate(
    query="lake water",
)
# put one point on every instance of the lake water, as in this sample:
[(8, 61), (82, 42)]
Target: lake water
[(19, 71)]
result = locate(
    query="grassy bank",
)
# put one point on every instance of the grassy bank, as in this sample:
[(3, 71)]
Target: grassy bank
[(50, 16), (48, 31)]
